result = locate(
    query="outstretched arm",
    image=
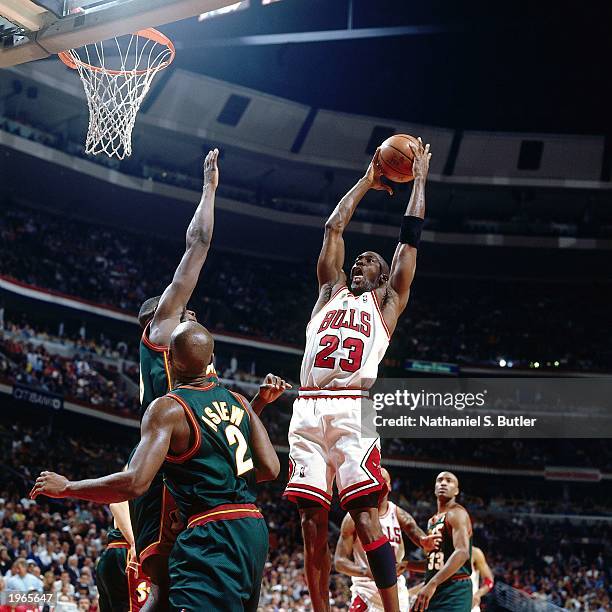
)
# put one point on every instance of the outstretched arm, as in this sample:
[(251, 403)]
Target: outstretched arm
[(156, 429), (199, 236), (331, 258), (403, 265), (343, 561), (415, 533)]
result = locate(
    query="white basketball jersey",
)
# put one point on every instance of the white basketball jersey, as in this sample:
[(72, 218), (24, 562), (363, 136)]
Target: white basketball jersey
[(391, 528), (345, 342)]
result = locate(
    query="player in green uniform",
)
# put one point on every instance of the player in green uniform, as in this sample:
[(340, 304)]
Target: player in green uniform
[(121, 584), (447, 587), (111, 578), (153, 515), (215, 449)]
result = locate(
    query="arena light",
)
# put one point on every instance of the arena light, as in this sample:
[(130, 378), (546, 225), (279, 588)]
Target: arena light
[(536, 364), (237, 6), (502, 363)]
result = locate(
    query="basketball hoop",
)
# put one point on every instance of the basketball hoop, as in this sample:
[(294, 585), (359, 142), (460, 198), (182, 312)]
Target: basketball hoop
[(114, 94)]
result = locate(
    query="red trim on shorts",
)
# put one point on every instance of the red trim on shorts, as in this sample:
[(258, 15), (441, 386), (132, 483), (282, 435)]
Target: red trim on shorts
[(380, 314), (299, 485), (225, 512), (117, 544), (157, 548), (373, 488), (332, 389), (190, 452), (375, 544), (370, 464), (332, 392), (358, 604), (135, 576), (355, 397), (293, 494), (161, 546), (357, 485)]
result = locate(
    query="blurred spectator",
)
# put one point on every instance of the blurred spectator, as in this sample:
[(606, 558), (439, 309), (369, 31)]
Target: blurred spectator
[(23, 580)]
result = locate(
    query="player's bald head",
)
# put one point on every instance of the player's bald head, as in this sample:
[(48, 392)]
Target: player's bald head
[(191, 349), (449, 475), (447, 484)]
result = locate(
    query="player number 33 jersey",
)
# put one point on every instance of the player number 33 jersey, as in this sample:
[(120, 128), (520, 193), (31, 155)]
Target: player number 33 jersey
[(345, 342)]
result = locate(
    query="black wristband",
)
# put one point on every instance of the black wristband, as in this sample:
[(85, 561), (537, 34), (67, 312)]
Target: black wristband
[(410, 232)]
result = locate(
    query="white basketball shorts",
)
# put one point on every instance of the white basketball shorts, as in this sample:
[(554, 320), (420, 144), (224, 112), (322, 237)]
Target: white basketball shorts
[(325, 444)]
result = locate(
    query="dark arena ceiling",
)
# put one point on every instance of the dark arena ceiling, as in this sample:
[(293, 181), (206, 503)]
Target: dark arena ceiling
[(520, 66)]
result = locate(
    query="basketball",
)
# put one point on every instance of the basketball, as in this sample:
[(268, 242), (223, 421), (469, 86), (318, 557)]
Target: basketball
[(396, 157)]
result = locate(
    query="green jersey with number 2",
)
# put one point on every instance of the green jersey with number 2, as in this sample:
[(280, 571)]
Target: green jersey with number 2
[(218, 468)]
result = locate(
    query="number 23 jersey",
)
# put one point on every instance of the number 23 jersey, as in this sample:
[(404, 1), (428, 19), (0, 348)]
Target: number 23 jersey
[(345, 342)]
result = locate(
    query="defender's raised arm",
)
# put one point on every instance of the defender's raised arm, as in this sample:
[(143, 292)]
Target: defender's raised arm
[(174, 299)]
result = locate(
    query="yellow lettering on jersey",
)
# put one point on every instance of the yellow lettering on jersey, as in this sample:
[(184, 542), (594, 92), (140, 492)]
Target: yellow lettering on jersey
[(222, 410), (237, 414), (210, 423), (211, 415)]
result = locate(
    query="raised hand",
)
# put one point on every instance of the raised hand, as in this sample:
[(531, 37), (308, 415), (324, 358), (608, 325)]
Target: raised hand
[(420, 163), (272, 388), (211, 169), (374, 175)]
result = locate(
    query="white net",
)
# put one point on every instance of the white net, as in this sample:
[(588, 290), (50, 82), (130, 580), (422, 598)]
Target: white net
[(117, 75)]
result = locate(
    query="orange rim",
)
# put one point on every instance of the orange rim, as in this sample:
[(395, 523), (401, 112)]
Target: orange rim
[(150, 33)]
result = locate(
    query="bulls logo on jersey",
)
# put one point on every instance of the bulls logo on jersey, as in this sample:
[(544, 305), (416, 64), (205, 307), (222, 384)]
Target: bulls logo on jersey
[(345, 342)]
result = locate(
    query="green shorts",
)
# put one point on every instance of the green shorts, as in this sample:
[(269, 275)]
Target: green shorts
[(452, 597), (219, 565), (112, 582), (155, 521)]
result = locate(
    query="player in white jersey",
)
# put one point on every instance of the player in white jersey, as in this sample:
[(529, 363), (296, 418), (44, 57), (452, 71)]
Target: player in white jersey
[(480, 568), (351, 559), (347, 336)]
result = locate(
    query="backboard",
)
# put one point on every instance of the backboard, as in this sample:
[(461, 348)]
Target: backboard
[(36, 29)]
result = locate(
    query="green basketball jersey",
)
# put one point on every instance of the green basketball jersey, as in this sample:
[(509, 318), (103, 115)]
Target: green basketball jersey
[(154, 371), (437, 558), (218, 469)]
